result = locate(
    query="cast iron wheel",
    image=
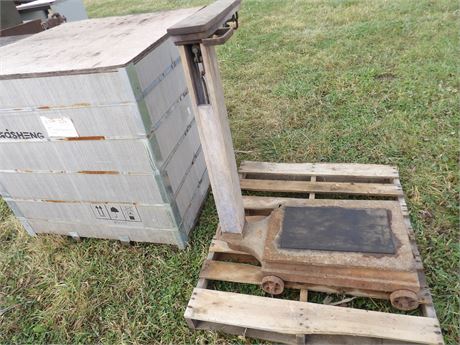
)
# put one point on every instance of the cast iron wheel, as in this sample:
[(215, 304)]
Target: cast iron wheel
[(272, 285), (404, 300)]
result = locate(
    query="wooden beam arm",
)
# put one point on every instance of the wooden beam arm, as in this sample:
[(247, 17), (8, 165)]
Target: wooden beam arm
[(205, 23)]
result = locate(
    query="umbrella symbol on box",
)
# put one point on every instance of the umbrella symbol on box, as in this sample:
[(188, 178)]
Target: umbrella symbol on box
[(114, 212)]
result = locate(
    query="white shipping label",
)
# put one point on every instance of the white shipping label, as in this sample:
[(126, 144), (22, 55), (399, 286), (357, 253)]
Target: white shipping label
[(59, 127)]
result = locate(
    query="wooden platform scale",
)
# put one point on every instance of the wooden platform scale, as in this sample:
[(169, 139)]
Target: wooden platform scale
[(270, 241)]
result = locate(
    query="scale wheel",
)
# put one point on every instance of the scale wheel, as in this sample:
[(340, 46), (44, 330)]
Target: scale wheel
[(404, 300), (272, 285)]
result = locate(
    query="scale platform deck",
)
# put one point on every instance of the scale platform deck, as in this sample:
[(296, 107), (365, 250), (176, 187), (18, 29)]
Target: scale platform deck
[(299, 321)]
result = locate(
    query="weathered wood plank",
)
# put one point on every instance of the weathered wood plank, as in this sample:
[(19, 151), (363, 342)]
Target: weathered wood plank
[(215, 136), (231, 272), (89, 44), (250, 274), (244, 332), (222, 138), (219, 246), (224, 179), (312, 195), (303, 295), (265, 202), (293, 317), (205, 19), (380, 189), (427, 307), (279, 338), (320, 169)]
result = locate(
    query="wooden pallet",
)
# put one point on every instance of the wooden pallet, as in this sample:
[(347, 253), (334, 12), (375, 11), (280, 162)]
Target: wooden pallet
[(301, 322)]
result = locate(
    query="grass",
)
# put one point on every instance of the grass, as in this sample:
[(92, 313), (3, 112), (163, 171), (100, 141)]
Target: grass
[(305, 81)]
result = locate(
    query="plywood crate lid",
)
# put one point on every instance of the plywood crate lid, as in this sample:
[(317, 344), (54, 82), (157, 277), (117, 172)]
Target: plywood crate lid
[(88, 45)]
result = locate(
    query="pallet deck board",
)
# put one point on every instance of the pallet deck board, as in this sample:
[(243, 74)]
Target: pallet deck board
[(380, 189), (294, 317), (320, 169)]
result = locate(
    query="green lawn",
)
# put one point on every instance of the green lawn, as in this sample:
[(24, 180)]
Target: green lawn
[(305, 81)]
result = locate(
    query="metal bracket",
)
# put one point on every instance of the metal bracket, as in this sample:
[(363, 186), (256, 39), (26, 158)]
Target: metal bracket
[(219, 37), (206, 22), (233, 20)]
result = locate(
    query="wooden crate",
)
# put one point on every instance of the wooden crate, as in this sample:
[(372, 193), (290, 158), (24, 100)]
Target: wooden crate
[(96, 115), (300, 321)]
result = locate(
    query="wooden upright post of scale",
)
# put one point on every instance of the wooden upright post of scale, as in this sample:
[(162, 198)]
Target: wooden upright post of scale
[(203, 80)]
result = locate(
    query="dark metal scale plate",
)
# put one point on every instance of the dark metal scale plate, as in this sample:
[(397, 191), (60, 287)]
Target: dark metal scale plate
[(366, 230)]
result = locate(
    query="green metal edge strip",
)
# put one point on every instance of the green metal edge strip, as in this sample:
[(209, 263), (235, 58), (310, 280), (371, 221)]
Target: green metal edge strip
[(153, 149)]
